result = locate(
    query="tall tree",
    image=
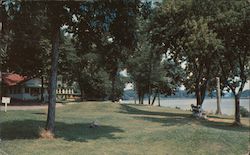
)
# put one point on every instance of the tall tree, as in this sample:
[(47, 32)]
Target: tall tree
[(106, 26), (232, 27), (150, 67), (187, 36), (57, 14), (24, 50), (199, 50)]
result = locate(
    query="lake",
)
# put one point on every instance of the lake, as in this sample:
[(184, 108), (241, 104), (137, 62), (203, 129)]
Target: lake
[(209, 105)]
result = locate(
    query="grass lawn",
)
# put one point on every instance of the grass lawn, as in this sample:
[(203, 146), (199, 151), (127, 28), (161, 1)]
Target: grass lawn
[(125, 129)]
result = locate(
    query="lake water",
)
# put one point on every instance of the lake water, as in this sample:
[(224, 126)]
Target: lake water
[(209, 105)]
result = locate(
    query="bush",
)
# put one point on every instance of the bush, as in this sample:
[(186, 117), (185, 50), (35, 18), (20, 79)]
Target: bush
[(244, 112)]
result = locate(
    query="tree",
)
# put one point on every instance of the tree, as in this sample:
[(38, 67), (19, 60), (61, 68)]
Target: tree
[(106, 27), (199, 49), (1, 42), (25, 51), (122, 31), (233, 29), (7, 10), (140, 67), (150, 67), (87, 69), (57, 16), (188, 38)]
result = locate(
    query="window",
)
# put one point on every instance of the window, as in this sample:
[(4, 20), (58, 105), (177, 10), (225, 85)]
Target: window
[(27, 90), (14, 90), (34, 91)]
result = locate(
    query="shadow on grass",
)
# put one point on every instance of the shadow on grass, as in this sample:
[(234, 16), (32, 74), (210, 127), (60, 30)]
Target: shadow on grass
[(29, 129), (130, 109), (171, 119), (219, 117), (224, 126), (39, 113)]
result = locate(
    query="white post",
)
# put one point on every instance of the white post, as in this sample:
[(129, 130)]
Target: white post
[(5, 100)]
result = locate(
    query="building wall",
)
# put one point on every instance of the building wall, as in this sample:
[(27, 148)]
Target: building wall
[(27, 96), (31, 90), (24, 93)]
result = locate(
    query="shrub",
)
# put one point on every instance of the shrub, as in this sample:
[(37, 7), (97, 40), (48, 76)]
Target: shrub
[(244, 112)]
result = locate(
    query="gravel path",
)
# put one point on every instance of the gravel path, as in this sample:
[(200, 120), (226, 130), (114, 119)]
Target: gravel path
[(26, 107)]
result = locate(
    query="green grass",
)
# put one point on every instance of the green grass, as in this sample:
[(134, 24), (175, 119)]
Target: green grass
[(125, 129)]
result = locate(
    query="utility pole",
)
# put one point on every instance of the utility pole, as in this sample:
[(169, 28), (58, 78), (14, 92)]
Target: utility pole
[(218, 92)]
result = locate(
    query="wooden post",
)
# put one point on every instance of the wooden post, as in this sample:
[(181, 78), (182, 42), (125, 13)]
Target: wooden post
[(218, 92)]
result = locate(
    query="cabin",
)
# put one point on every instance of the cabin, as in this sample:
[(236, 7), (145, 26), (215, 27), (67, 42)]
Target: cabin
[(30, 89)]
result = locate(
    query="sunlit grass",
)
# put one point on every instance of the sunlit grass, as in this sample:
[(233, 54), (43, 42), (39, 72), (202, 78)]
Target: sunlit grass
[(124, 129)]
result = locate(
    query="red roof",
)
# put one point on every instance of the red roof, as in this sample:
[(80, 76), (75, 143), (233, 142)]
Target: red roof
[(12, 79)]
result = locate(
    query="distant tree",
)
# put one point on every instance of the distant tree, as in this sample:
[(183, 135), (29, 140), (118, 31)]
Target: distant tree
[(140, 68), (106, 27), (150, 68), (172, 77)]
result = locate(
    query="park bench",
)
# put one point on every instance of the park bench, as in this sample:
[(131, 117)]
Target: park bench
[(197, 111)]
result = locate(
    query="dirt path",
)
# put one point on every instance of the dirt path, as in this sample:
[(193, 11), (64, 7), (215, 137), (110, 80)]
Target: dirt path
[(26, 107)]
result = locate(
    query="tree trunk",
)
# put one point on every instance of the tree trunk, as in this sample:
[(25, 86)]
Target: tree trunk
[(198, 96), (113, 88), (155, 95), (139, 92), (42, 89), (203, 95), (1, 37), (218, 92), (135, 95), (1, 85), (237, 109), (149, 89), (149, 98), (50, 125), (159, 99), (141, 98), (82, 93), (113, 82)]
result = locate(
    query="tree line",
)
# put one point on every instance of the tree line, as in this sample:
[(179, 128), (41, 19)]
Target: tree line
[(161, 45)]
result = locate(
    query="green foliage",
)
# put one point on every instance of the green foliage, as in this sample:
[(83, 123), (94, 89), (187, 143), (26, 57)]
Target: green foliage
[(172, 78), (106, 29), (23, 48), (150, 69), (233, 29), (186, 32), (244, 112)]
